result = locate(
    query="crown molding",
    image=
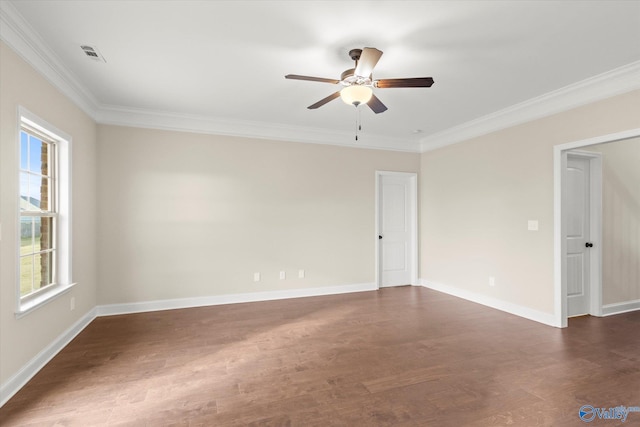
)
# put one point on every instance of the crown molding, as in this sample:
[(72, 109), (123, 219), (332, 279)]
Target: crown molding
[(18, 34), (25, 41), (143, 118), (615, 82)]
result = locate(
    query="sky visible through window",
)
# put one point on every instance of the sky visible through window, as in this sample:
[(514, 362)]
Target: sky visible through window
[(31, 170)]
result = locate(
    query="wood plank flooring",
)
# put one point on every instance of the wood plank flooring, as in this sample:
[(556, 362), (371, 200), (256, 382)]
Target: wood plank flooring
[(397, 357)]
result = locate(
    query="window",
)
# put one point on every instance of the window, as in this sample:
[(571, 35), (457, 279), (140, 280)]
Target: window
[(38, 212), (44, 220)]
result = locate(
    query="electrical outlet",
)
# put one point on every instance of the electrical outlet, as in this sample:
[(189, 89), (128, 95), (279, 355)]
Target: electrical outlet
[(72, 303), (300, 274), (283, 275), (256, 277), (492, 281)]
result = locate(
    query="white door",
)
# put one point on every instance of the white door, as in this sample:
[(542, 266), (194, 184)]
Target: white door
[(396, 229), (577, 204)]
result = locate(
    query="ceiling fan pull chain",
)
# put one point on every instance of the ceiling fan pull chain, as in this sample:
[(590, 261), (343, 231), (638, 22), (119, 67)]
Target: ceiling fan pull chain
[(356, 124)]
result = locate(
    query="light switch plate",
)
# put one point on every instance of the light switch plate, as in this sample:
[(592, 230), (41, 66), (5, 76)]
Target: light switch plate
[(532, 225)]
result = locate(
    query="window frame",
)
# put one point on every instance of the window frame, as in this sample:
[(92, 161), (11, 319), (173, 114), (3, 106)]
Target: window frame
[(61, 239)]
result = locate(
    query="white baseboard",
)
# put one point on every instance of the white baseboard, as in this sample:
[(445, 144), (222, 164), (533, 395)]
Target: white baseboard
[(518, 310), (620, 307), (20, 378), (140, 307)]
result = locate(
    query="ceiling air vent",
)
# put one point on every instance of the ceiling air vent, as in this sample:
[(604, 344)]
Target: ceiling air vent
[(92, 53)]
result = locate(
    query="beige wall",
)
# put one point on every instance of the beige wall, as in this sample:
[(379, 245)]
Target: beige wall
[(22, 339), (189, 215), (620, 220), (477, 196)]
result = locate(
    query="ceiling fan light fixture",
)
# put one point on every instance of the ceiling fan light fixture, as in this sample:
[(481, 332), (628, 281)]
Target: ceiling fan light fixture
[(358, 82), (356, 94)]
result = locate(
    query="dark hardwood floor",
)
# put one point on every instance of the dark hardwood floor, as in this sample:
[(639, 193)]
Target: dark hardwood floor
[(400, 357)]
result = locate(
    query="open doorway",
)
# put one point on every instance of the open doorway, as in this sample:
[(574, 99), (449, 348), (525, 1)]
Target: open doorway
[(561, 266)]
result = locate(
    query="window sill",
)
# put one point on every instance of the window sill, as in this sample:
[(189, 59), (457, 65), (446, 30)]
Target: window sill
[(29, 306)]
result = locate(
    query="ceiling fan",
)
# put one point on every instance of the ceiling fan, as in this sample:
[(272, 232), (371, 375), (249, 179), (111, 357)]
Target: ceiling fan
[(358, 82)]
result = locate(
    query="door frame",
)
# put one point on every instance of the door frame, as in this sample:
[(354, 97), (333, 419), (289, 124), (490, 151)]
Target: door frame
[(595, 227), (413, 212), (559, 233)]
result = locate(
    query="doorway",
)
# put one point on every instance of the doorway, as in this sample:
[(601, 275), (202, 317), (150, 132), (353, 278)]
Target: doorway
[(560, 153), (396, 229)]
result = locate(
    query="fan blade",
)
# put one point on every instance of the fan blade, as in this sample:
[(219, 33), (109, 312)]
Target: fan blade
[(312, 79), (324, 101), (412, 82), (376, 105), (368, 59)]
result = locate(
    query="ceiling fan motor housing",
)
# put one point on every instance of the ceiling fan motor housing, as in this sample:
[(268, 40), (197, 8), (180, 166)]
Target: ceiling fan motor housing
[(347, 73), (348, 78)]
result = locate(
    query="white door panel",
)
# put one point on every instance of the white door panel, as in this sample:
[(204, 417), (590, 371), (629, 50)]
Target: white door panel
[(575, 273), (394, 256)]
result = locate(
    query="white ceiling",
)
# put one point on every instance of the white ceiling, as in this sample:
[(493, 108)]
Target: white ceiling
[(219, 66)]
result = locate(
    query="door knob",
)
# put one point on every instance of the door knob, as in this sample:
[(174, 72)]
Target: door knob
[(379, 236), (588, 245)]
